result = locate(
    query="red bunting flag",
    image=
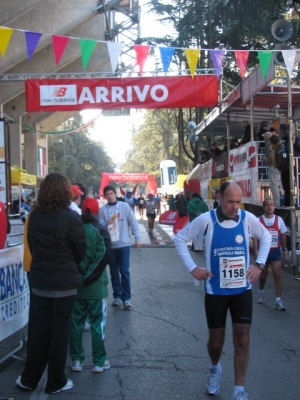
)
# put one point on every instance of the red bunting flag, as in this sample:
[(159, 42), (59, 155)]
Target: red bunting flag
[(141, 55), (59, 45), (242, 59)]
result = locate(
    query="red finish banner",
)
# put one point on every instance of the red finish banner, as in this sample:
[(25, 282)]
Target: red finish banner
[(114, 93)]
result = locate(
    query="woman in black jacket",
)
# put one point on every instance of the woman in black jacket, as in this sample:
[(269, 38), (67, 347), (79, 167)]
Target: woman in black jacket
[(57, 242)]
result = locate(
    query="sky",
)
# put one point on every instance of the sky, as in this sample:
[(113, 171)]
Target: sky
[(116, 132)]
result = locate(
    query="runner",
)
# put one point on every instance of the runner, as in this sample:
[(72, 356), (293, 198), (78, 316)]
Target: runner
[(141, 205), (150, 212)]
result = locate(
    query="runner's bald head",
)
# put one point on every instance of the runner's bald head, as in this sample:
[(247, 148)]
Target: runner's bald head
[(230, 185)]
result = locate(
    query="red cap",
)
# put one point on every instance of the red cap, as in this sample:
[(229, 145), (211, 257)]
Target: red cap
[(76, 190), (91, 204)]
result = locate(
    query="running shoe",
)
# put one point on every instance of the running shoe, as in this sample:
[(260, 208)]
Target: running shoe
[(127, 305), (67, 386), (213, 381), (240, 396), (117, 302), (279, 305), (19, 383), (261, 298), (76, 366), (101, 368)]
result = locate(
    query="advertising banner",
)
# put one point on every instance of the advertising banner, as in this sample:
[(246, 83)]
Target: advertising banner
[(48, 95), (14, 292), (169, 217), (180, 224), (242, 159)]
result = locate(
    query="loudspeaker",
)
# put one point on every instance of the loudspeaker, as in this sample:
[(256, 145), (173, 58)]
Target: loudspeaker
[(277, 55), (282, 29)]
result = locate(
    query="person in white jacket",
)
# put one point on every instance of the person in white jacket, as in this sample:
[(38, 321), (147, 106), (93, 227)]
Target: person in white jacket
[(119, 218), (228, 277)]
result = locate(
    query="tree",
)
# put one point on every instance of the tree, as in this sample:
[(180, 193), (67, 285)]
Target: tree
[(77, 156)]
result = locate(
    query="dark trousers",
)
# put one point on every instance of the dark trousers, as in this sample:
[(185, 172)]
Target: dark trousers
[(285, 179), (49, 338)]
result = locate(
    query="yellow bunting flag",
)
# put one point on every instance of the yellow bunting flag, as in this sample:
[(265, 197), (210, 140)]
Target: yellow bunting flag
[(192, 56), (5, 35)]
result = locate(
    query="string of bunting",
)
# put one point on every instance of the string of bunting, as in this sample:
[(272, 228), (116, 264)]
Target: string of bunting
[(87, 47)]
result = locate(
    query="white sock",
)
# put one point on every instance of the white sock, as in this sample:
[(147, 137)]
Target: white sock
[(238, 389), (216, 367), (262, 291), (278, 298)]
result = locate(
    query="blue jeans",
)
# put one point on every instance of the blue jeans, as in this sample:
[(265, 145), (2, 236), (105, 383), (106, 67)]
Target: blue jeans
[(119, 272)]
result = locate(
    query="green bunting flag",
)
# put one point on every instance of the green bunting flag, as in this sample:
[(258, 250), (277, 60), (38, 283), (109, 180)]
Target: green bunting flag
[(87, 47), (264, 60)]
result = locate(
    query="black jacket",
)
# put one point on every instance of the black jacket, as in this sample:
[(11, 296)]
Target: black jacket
[(57, 244)]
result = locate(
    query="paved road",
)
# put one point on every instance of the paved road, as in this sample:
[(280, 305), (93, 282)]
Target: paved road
[(157, 350)]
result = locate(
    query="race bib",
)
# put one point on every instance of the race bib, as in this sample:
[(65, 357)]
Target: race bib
[(232, 272), (113, 229), (274, 235)]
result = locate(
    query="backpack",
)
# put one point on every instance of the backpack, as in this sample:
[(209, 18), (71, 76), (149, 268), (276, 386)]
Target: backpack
[(282, 158)]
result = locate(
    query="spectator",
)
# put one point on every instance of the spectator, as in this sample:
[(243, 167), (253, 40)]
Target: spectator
[(264, 127), (90, 300), (216, 196), (215, 151), (4, 225), (274, 174), (117, 216), (285, 172), (196, 207), (171, 202), (181, 205), (76, 198), (247, 132), (57, 242)]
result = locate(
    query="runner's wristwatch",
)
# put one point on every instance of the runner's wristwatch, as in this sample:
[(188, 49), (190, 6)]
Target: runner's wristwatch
[(260, 266)]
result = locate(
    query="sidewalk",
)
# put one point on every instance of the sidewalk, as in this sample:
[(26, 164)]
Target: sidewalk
[(157, 350)]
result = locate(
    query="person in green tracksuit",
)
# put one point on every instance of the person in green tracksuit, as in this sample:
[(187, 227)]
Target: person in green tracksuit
[(90, 300), (195, 207)]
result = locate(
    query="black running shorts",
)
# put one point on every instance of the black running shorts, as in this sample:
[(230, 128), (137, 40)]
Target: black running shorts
[(240, 306), (151, 215)]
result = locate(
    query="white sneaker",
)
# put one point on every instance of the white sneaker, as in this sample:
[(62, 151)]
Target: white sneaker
[(240, 396), (67, 386), (101, 368), (76, 366), (261, 298), (213, 381), (279, 305), (19, 383), (117, 302), (127, 305)]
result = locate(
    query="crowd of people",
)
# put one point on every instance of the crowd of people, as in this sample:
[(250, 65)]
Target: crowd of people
[(69, 241)]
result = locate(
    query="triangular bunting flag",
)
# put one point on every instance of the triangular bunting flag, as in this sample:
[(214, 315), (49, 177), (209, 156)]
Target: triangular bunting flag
[(217, 57), (289, 59), (59, 45), (32, 39), (87, 47), (166, 54), (265, 58), (241, 59), (114, 51), (192, 56), (5, 35), (141, 55)]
